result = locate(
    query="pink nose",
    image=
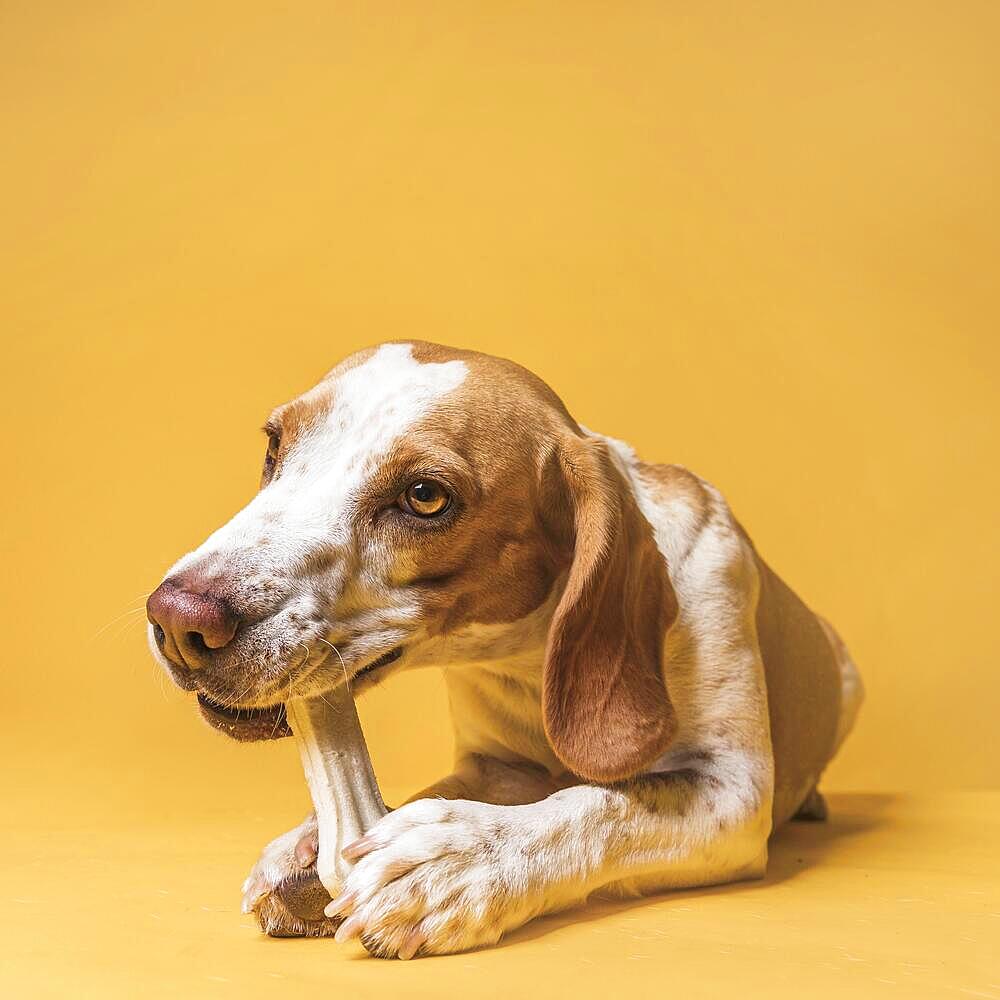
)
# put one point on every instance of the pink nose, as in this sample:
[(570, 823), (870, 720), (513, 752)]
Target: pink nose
[(189, 623)]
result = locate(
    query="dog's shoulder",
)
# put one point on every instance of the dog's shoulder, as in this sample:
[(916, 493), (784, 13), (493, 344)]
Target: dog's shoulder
[(694, 527)]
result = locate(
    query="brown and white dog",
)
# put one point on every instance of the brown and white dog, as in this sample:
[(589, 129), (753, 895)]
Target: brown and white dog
[(637, 699)]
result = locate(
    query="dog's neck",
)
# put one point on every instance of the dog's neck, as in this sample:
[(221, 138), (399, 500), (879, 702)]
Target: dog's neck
[(494, 678), (496, 711)]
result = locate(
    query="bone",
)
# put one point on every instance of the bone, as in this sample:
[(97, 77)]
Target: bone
[(339, 772)]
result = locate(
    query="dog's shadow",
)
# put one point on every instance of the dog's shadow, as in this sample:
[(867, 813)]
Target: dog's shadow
[(798, 845)]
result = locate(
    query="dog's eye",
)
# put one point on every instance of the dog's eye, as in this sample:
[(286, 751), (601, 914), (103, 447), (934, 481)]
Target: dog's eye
[(425, 498), (271, 457)]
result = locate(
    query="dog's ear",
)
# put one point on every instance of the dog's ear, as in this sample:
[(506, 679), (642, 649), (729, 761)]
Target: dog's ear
[(605, 705)]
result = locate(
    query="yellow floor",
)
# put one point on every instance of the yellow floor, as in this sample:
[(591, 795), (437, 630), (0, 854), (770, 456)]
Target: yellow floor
[(895, 897)]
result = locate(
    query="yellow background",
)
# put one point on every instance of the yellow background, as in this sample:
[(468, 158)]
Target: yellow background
[(760, 240)]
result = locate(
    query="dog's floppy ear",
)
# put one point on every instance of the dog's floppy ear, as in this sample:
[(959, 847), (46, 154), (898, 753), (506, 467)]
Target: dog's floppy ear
[(604, 700)]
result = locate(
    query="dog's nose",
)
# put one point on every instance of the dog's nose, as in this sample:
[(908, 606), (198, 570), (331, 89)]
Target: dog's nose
[(189, 622)]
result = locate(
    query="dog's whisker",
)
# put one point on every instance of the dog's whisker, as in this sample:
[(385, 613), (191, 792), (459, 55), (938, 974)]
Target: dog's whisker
[(288, 697), (160, 680), (234, 702), (161, 685), (125, 614), (125, 629), (343, 666)]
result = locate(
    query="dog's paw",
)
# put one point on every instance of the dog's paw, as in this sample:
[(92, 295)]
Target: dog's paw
[(283, 890), (435, 877)]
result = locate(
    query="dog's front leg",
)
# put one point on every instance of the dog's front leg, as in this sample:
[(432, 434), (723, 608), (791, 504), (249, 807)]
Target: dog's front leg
[(439, 876), (284, 891)]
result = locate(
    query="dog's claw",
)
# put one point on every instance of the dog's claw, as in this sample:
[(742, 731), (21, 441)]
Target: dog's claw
[(307, 850)]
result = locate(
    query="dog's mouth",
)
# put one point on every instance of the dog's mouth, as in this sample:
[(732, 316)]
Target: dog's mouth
[(383, 661), (246, 725), (250, 725)]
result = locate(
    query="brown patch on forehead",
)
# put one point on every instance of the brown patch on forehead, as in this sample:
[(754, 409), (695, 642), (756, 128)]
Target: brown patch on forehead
[(507, 387), (493, 384), (500, 409)]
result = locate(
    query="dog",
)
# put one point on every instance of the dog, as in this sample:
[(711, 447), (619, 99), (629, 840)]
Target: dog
[(637, 699)]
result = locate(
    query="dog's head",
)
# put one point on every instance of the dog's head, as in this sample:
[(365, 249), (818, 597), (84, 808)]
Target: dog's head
[(414, 496)]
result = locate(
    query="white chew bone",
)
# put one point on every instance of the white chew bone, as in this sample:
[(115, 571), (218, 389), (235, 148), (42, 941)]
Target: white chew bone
[(340, 776)]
